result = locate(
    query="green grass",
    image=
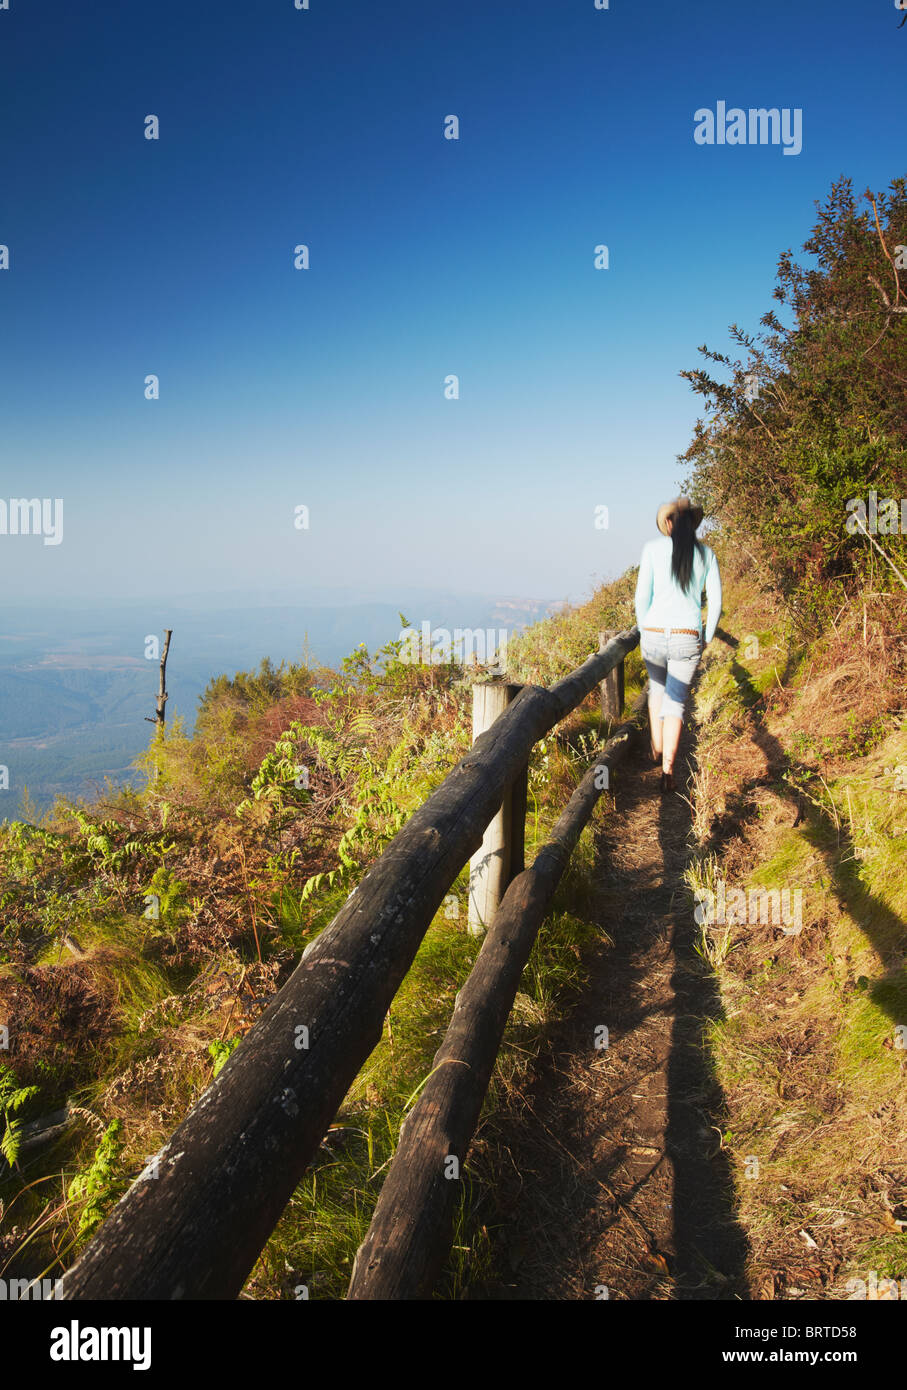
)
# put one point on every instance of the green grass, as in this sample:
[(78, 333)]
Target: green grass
[(887, 1255)]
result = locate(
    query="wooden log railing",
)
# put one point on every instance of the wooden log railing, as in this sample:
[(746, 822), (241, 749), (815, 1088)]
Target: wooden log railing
[(409, 1235), (194, 1222)]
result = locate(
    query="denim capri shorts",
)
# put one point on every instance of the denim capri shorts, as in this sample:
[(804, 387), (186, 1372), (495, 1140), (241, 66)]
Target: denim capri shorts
[(671, 659)]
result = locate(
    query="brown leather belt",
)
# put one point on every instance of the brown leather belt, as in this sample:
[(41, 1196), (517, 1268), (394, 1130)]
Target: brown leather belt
[(687, 631)]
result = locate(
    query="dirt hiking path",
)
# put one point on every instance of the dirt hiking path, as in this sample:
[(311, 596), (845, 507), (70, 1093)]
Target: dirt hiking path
[(617, 1180)]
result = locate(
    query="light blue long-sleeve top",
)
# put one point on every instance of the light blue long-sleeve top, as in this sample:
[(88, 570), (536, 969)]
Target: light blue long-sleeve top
[(660, 601)]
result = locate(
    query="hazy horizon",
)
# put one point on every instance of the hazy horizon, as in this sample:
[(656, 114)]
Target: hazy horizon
[(78, 681)]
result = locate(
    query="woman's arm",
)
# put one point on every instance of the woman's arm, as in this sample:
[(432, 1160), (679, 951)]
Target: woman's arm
[(644, 586), (712, 597)]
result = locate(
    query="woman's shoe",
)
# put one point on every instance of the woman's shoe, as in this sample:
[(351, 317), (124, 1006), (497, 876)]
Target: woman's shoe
[(667, 781)]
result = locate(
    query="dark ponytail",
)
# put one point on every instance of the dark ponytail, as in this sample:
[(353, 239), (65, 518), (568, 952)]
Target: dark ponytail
[(683, 538)]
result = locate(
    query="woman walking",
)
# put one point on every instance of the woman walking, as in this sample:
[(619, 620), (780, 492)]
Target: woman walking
[(672, 573)]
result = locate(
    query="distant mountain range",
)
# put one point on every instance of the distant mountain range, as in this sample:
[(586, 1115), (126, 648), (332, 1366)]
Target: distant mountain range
[(75, 686)]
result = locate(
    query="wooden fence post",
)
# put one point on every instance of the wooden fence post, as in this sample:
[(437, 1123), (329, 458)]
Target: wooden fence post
[(500, 858), (612, 686)]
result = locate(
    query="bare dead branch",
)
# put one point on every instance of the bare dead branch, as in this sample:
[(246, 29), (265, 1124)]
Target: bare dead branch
[(163, 697), (894, 269), (892, 308)]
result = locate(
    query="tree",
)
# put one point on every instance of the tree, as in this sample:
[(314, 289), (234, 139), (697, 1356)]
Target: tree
[(813, 411)]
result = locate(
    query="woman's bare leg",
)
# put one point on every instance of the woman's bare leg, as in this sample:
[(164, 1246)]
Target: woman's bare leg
[(655, 724), (672, 727)]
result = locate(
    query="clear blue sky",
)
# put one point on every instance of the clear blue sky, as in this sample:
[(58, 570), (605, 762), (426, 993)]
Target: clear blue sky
[(325, 387)]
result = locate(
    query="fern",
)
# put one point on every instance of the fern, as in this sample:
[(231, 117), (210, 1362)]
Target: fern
[(12, 1098), (99, 843), (219, 1051), (96, 1183)]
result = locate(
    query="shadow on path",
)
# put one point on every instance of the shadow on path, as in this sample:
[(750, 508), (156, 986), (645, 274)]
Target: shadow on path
[(613, 1177), (710, 1248)]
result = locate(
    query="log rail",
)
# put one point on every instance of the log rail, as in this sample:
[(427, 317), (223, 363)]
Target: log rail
[(194, 1222)]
